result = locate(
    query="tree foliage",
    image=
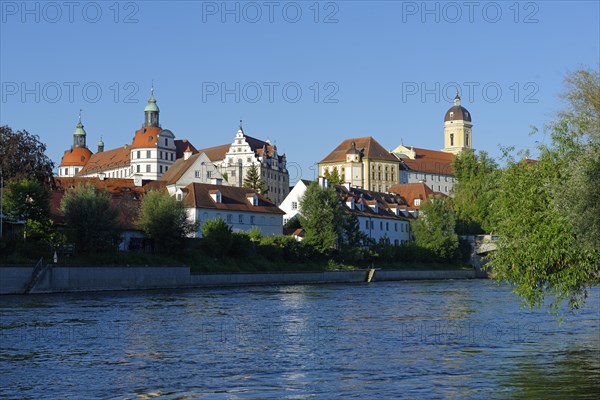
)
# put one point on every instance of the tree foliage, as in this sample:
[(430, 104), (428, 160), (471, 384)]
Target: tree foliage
[(474, 191), (28, 200), (217, 237), (92, 218), (547, 211), (333, 177), (435, 228), (321, 217), (164, 220), (252, 180), (22, 156)]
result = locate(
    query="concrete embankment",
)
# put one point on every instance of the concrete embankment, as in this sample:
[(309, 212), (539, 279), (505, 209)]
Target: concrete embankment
[(57, 279)]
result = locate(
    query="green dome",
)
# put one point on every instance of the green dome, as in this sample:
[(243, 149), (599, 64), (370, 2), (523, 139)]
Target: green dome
[(151, 106), (79, 131), (100, 143)]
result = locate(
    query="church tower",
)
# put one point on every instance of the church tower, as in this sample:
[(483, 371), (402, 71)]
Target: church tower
[(79, 135), (457, 128), (151, 112)]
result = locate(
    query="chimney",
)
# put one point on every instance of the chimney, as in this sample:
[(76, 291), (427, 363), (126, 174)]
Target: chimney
[(187, 153)]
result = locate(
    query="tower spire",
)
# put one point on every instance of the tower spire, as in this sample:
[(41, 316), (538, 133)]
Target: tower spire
[(151, 111), (79, 133)]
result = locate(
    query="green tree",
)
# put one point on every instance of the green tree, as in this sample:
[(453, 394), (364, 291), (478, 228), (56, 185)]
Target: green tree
[(92, 219), (333, 177), (434, 229), (217, 237), (352, 235), (29, 200), (474, 191), (22, 156), (544, 247), (165, 221), (254, 181), (321, 217)]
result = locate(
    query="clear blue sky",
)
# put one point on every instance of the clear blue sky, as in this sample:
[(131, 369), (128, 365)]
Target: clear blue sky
[(375, 58)]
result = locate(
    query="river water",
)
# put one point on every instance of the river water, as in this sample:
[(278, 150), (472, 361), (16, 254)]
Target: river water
[(421, 340)]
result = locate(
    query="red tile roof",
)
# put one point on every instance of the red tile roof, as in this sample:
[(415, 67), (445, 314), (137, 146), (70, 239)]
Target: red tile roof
[(216, 153), (372, 150), (179, 167), (430, 161), (232, 199), (77, 157), (413, 191), (106, 160), (146, 137)]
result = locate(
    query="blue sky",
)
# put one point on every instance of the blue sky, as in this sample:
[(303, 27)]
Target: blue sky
[(382, 68)]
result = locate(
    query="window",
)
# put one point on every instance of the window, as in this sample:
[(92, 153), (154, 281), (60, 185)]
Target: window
[(467, 139), (387, 226), (196, 174), (248, 159), (417, 202), (367, 224), (76, 170), (396, 227), (138, 154), (66, 171), (166, 168), (137, 168), (179, 196), (208, 174), (241, 218), (252, 220), (233, 173), (160, 168), (160, 155), (294, 205), (166, 142), (401, 227), (148, 154), (372, 225), (147, 167), (380, 225), (452, 139), (285, 221)]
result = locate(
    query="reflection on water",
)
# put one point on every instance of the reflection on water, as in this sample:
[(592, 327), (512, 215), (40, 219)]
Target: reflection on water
[(446, 339)]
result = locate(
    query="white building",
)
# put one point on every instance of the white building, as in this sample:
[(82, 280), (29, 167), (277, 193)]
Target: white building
[(291, 204), (191, 168), (243, 209), (234, 160), (380, 215)]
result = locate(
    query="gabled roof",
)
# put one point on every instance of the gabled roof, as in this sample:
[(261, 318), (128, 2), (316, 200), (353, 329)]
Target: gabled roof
[(384, 202), (105, 160), (430, 161), (182, 145), (372, 150), (179, 167), (413, 191), (216, 153), (232, 199)]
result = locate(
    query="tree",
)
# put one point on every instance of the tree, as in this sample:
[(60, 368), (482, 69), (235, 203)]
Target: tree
[(474, 191), (92, 218), (217, 237), (165, 220), (254, 181), (333, 177), (545, 247), (29, 200), (435, 228), (22, 156), (352, 235), (321, 217)]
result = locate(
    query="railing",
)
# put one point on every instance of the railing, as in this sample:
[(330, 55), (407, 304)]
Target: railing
[(38, 271)]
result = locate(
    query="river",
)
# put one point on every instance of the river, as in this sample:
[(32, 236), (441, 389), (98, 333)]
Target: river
[(417, 339)]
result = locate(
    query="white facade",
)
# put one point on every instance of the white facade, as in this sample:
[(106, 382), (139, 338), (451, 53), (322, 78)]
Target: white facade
[(291, 204), (152, 162), (397, 231), (240, 221), (199, 170)]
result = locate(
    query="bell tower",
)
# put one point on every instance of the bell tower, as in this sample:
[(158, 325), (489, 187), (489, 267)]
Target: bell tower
[(457, 128), (79, 134), (151, 111)]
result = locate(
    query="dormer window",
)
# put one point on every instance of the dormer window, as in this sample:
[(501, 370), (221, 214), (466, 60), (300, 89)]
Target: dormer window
[(216, 196), (451, 114), (252, 198), (417, 202)]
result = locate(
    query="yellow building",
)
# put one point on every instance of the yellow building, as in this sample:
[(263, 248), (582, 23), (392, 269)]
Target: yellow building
[(457, 128), (363, 163)]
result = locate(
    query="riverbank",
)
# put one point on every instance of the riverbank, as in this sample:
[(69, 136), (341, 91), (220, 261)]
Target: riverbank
[(62, 279)]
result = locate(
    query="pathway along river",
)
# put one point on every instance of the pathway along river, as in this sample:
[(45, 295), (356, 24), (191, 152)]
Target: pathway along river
[(423, 340)]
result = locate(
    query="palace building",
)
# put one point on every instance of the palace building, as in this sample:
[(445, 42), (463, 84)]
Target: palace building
[(151, 153)]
